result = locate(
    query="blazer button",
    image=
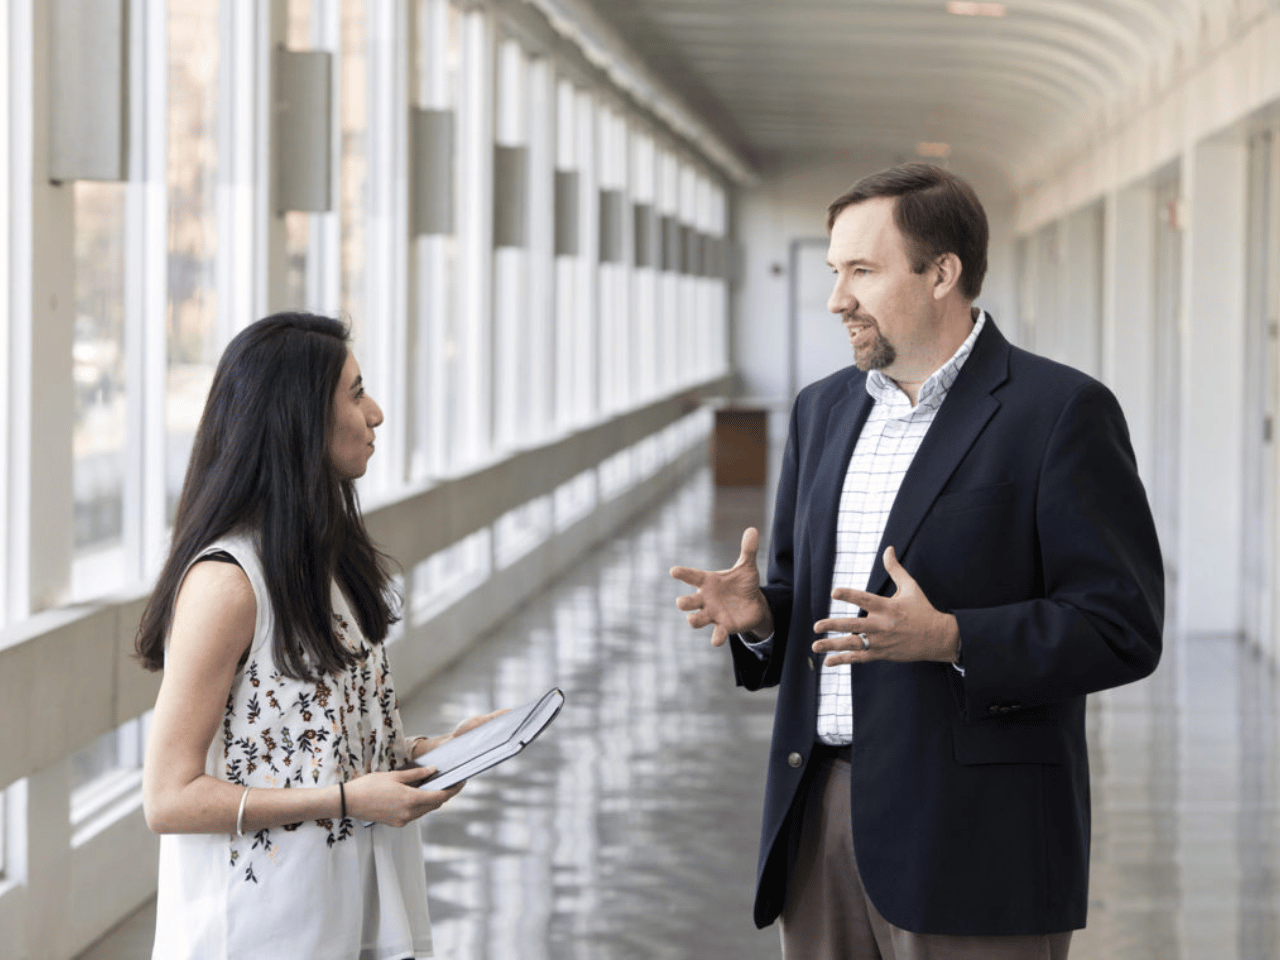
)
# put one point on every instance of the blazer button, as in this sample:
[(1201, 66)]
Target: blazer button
[(795, 759), (811, 664)]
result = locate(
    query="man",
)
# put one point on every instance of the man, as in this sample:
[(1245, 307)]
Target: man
[(961, 551)]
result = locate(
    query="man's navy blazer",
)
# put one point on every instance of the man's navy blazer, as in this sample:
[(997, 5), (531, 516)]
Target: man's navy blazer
[(1023, 515)]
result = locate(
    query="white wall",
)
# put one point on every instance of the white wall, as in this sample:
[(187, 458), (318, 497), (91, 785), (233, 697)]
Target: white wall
[(1201, 124)]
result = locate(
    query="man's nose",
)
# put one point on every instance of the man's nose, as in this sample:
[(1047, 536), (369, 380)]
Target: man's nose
[(841, 300)]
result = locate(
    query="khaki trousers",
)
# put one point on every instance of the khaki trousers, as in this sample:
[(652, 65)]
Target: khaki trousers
[(828, 915)]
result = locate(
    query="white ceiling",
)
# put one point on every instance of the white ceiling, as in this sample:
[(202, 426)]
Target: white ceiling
[(788, 81)]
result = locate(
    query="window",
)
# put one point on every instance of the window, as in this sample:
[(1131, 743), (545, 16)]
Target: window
[(574, 499), (519, 531), (436, 388), (353, 159), (541, 250), (671, 349), (645, 277), (450, 574), (693, 360), (301, 286), (472, 436), (106, 778), (8, 609), (586, 371), (13, 816), (512, 339), (4, 830), (613, 311), (616, 475), (567, 262), (713, 300), (101, 432), (192, 334)]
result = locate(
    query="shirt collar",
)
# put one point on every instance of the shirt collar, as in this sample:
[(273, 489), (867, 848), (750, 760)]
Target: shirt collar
[(934, 390)]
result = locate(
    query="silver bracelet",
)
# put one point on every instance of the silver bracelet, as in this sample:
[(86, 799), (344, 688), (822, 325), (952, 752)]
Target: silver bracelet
[(240, 815)]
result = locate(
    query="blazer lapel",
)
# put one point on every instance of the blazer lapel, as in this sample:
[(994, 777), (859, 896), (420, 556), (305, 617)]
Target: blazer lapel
[(843, 425), (960, 420)]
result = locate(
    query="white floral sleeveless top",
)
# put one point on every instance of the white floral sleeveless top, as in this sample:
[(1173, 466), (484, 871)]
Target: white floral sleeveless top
[(328, 889)]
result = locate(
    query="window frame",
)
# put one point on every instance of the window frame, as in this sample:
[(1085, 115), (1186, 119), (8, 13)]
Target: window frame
[(116, 792), (6, 324)]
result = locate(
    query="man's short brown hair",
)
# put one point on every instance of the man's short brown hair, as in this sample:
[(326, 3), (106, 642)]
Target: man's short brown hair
[(937, 213)]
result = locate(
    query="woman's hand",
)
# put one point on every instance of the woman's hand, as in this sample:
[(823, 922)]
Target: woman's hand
[(392, 797)]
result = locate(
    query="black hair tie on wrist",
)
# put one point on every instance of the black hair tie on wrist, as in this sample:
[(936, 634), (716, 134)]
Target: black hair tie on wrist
[(342, 793)]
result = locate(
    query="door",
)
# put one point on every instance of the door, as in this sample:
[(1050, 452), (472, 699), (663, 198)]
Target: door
[(819, 342)]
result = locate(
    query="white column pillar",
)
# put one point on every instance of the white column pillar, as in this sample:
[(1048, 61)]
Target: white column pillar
[(1128, 315), (1080, 325), (1048, 257), (1212, 439), (43, 315)]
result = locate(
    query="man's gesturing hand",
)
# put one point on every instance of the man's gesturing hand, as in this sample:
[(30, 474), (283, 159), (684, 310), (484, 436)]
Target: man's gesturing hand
[(902, 627), (729, 599)]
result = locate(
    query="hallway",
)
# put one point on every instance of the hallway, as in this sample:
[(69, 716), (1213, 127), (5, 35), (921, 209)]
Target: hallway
[(629, 830)]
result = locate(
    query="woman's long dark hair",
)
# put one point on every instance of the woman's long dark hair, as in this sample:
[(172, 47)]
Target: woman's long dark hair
[(261, 462)]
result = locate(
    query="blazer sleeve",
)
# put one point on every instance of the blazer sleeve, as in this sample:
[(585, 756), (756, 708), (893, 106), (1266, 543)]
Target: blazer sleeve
[(1100, 619), (749, 670)]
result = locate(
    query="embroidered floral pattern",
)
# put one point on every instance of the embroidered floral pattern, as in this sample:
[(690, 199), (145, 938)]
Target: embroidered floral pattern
[(280, 732)]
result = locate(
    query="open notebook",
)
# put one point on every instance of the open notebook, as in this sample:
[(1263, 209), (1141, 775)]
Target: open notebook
[(490, 743)]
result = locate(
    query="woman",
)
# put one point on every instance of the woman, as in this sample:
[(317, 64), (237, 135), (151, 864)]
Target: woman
[(276, 732)]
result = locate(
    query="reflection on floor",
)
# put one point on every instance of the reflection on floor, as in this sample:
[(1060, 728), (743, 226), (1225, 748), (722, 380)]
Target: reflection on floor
[(630, 828)]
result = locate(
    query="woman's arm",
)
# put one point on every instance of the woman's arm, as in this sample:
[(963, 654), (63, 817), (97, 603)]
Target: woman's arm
[(213, 625)]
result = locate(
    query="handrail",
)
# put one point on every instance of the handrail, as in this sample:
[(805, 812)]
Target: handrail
[(68, 676)]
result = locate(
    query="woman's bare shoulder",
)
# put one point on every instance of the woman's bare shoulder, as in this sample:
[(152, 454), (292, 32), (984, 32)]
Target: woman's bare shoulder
[(215, 611)]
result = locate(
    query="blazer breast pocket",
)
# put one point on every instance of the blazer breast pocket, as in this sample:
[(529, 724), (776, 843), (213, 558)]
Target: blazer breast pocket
[(1008, 743), (979, 498)]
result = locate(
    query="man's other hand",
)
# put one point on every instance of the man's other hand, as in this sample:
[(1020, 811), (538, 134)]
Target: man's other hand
[(903, 627), (730, 600)]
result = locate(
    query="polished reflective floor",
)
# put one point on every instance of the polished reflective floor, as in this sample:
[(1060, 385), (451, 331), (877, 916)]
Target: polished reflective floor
[(629, 829)]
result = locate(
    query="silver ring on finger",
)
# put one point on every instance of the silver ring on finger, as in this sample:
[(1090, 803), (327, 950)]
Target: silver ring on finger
[(866, 644)]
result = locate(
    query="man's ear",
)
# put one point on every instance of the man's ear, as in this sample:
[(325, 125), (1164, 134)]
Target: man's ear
[(946, 275)]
